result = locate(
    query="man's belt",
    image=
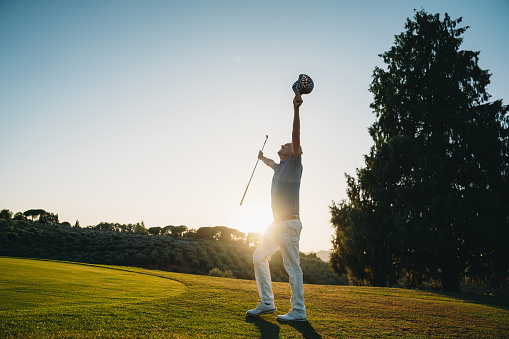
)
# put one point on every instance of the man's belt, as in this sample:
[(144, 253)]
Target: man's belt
[(290, 217)]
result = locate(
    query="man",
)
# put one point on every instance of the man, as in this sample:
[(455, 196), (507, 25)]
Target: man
[(284, 232)]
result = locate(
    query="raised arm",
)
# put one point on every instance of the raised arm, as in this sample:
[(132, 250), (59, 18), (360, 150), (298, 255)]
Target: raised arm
[(266, 161), (297, 101)]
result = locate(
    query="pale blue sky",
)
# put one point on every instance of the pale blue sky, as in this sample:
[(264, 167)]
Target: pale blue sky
[(123, 111)]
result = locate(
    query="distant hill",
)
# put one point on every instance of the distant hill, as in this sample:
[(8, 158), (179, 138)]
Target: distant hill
[(324, 255)]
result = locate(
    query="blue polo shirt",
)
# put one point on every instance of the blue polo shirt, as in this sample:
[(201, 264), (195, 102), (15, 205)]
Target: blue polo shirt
[(285, 187)]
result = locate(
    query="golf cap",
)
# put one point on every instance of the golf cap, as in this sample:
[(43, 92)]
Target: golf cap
[(304, 85)]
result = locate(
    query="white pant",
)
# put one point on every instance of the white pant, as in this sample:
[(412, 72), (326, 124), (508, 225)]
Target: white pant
[(284, 235)]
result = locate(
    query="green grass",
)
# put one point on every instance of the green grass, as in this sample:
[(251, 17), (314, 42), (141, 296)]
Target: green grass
[(49, 299)]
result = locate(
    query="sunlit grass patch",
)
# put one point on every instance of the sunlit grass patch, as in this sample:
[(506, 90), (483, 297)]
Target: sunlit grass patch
[(39, 284)]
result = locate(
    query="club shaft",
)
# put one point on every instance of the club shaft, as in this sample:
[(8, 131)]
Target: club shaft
[(254, 169)]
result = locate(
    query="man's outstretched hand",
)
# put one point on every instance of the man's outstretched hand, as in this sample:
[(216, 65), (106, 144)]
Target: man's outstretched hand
[(297, 101), (266, 161)]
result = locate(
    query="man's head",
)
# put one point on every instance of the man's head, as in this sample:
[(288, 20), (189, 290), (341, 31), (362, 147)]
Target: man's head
[(286, 151)]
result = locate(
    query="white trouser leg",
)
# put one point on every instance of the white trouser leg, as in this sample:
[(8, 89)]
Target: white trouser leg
[(266, 248), (289, 236)]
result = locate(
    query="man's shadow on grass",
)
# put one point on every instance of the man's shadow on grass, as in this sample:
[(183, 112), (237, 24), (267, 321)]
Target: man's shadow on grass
[(269, 330), (304, 327)]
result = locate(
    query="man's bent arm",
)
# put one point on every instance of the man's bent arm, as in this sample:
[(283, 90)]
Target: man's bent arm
[(266, 161), (297, 101)]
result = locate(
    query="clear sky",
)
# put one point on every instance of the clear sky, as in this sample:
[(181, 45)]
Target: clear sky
[(123, 111)]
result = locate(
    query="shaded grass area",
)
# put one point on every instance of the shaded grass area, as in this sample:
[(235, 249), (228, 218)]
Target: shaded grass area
[(47, 299)]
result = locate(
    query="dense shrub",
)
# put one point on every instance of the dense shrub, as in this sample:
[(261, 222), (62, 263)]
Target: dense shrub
[(217, 272)]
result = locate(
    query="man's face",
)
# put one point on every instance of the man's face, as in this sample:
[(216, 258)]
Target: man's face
[(286, 151)]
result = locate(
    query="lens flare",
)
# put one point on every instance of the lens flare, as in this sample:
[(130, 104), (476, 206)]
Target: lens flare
[(253, 218)]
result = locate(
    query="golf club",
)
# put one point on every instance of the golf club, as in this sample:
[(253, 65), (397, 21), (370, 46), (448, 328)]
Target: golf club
[(266, 137)]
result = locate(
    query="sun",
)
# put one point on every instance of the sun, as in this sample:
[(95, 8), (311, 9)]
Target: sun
[(253, 218)]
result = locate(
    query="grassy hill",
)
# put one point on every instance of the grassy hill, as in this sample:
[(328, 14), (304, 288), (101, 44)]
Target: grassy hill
[(48, 299)]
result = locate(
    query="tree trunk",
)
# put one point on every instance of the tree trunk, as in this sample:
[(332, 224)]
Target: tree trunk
[(450, 277), (450, 283)]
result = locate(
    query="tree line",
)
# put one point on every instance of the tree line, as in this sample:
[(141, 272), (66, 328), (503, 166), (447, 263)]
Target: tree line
[(32, 214), (195, 252), (219, 233)]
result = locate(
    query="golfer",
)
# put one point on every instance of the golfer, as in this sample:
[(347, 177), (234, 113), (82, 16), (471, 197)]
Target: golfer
[(284, 232)]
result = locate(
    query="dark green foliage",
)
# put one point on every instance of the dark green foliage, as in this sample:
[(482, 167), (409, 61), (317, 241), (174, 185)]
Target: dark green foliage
[(48, 217), (221, 233), (5, 214), (113, 244), (178, 231), (155, 230), (174, 231), (207, 233), (316, 273), (139, 228), (127, 228), (19, 216), (431, 203), (34, 213)]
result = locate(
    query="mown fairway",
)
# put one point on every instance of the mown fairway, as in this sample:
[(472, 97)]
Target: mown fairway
[(48, 299)]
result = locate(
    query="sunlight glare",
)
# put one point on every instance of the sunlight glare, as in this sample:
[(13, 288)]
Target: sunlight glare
[(253, 218)]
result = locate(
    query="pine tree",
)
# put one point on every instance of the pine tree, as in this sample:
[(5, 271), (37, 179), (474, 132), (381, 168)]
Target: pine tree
[(432, 201)]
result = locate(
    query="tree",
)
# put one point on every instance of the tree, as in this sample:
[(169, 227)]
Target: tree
[(174, 231), (5, 214), (178, 230), (207, 233), (190, 233), (432, 200), (139, 228), (155, 230), (238, 235), (34, 213), (253, 238), (47, 218), (166, 230), (19, 216), (224, 234), (105, 226)]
